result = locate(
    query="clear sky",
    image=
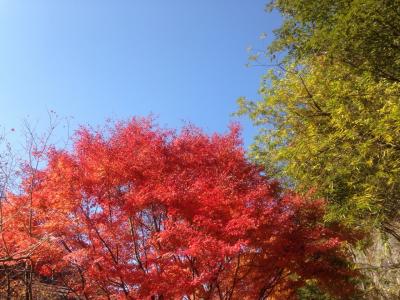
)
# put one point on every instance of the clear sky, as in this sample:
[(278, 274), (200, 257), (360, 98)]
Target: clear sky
[(181, 60)]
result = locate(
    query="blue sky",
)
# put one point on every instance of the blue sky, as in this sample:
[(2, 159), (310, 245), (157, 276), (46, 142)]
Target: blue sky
[(183, 61)]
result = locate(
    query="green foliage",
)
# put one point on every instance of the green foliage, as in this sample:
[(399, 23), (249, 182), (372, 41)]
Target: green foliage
[(334, 131), (363, 34), (310, 291), (329, 119), (330, 112)]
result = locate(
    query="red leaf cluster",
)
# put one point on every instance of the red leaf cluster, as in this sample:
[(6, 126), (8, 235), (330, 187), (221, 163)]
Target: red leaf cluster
[(138, 212)]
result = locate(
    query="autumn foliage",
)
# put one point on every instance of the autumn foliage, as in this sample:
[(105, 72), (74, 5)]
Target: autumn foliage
[(138, 212)]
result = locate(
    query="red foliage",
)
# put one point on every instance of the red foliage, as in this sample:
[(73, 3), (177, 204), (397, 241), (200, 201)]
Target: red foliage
[(138, 212)]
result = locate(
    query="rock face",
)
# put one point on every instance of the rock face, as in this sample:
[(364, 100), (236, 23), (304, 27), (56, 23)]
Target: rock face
[(380, 263)]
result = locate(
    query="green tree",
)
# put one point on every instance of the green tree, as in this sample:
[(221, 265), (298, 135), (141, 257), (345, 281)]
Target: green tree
[(329, 119), (363, 34), (334, 131), (330, 110)]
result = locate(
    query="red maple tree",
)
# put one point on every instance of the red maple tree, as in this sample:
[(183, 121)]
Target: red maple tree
[(138, 212)]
